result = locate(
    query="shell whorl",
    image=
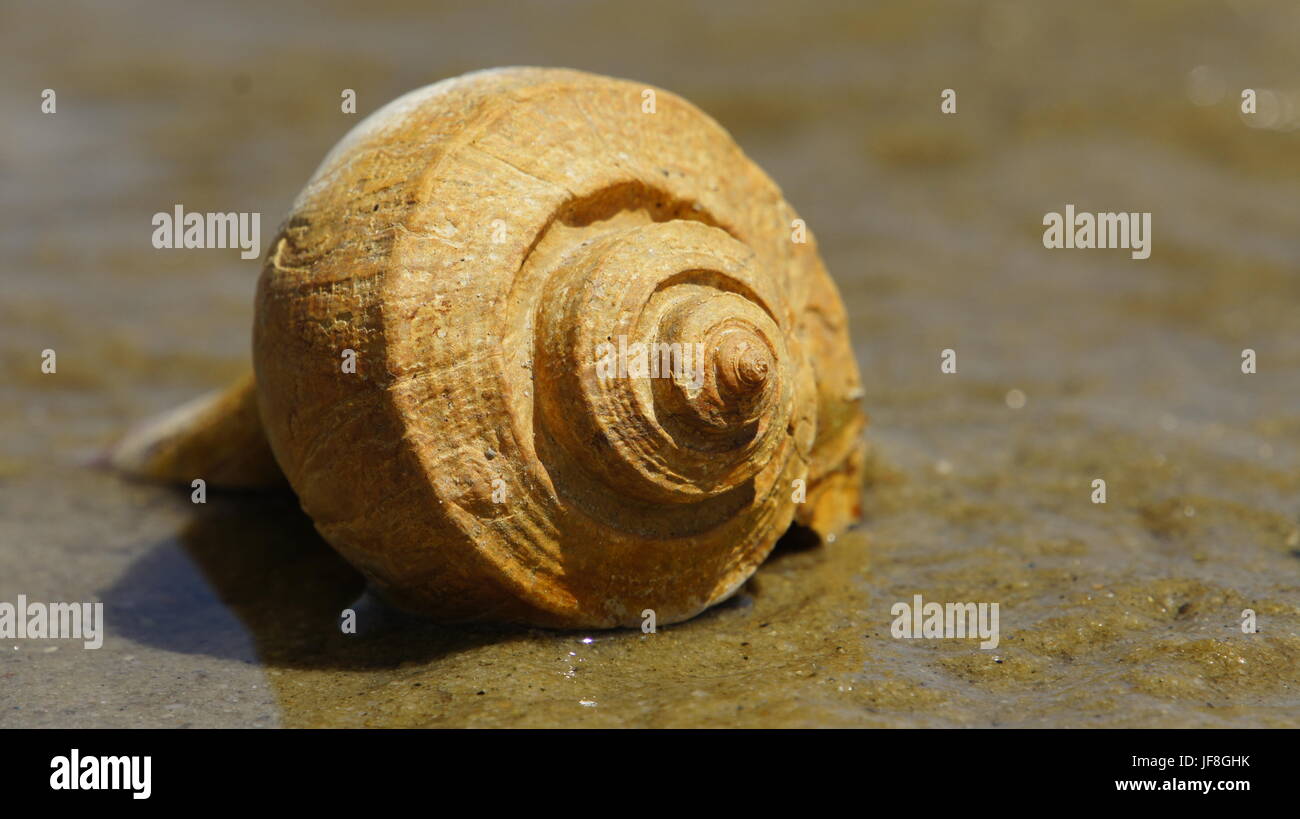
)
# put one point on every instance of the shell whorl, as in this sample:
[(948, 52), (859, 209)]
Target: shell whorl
[(696, 391), (506, 252)]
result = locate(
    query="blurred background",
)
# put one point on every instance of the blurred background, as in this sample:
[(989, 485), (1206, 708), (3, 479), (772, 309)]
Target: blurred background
[(1073, 365)]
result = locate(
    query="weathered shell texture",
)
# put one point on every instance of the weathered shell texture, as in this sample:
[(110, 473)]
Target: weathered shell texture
[(474, 242)]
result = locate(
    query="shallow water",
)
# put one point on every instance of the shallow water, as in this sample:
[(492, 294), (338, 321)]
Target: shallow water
[(1119, 614)]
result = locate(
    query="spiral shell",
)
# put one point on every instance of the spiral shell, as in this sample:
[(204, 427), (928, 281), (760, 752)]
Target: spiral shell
[(483, 245)]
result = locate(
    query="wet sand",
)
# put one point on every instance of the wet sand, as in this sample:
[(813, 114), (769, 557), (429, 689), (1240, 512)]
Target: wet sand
[(1123, 614)]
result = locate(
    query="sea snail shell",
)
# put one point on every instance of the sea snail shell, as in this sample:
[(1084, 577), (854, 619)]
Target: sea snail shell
[(481, 244)]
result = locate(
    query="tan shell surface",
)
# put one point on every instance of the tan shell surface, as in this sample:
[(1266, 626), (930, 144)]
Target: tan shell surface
[(474, 243)]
